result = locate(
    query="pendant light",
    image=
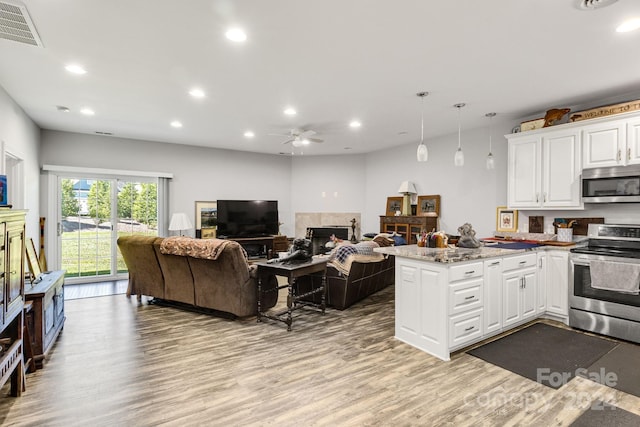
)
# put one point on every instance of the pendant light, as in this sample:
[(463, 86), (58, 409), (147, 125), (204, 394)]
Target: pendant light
[(491, 164), (458, 159), (422, 153)]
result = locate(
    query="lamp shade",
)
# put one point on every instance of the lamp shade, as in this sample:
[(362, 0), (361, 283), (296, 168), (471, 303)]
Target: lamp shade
[(407, 187), (180, 221)]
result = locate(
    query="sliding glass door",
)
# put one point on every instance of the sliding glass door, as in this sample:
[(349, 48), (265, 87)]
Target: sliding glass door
[(94, 212)]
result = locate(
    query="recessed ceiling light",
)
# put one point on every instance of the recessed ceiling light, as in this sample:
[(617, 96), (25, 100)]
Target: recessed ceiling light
[(249, 134), (355, 124), (176, 124), (87, 111), (630, 25), (75, 69), (290, 111), (197, 93), (62, 108), (236, 35)]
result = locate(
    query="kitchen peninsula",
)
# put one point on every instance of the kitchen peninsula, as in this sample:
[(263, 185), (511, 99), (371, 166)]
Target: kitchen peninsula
[(447, 299)]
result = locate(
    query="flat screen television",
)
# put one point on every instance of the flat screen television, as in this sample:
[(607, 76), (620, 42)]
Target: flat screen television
[(247, 218)]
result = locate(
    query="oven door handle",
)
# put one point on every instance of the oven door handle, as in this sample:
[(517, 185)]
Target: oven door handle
[(580, 260)]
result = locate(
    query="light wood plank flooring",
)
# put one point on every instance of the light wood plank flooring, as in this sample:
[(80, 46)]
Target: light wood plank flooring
[(118, 363)]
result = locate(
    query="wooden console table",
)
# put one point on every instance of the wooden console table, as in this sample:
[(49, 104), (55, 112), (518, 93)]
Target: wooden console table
[(292, 271), (408, 226), (46, 319)]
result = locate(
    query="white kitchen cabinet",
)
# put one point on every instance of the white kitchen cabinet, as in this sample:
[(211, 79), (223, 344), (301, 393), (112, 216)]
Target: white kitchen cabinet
[(604, 144), (492, 295), (557, 284), (544, 170), (633, 141), (541, 297), (421, 290), (611, 143), (519, 289)]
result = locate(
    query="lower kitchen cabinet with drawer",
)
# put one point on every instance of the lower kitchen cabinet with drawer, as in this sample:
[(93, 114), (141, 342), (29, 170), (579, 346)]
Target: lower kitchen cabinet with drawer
[(444, 307), (46, 319)]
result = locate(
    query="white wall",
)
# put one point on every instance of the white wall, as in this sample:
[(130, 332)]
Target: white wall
[(468, 194), (21, 138)]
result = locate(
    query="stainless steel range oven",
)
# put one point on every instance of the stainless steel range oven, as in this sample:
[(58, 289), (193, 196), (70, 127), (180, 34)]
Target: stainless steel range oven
[(606, 308)]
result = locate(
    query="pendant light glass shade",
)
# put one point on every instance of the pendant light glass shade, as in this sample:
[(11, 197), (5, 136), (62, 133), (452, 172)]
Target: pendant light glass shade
[(491, 164), (458, 159), (423, 153)]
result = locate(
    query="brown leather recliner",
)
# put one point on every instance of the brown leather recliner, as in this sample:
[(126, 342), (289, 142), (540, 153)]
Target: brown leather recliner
[(364, 279), (227, 284)]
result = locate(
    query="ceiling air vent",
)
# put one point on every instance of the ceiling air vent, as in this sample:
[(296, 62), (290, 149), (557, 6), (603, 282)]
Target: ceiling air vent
[(16, 25), (595, 4)]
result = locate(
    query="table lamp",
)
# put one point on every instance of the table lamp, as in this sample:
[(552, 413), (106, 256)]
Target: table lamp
[(407, 188), (180, 221)]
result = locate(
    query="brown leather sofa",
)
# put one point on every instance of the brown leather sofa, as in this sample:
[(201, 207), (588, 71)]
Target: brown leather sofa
[(364, 279), (226, 284)]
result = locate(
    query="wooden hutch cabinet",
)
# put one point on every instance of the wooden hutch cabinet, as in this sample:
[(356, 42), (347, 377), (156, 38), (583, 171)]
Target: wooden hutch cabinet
[(408, 226), (12, 298)]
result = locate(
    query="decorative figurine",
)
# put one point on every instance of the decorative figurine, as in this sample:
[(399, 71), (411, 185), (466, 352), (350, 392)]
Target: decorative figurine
[(468, 237), (353, 231)]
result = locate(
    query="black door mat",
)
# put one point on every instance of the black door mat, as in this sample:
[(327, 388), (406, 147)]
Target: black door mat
[(544, 353), (618, 369), (602, 414)]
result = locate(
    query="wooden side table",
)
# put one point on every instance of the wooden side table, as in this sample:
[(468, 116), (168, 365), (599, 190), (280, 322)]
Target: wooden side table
[(292, 271)]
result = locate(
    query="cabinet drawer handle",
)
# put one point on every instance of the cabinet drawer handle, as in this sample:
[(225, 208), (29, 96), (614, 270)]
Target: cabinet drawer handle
[(470, 297), (628, 153), (469, 272), (522, 262), (495, 263), (470, 328), (619, 155)]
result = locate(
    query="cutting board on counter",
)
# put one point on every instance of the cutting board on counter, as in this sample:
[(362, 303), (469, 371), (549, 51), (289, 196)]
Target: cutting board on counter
[(581, 225), (556, 243)]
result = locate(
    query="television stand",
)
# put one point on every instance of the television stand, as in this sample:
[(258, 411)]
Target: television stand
[(260, 247)]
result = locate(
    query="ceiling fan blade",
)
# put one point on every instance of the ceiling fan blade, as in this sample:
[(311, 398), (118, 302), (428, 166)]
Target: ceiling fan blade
[(307, 133), (289, 140), (315, 139)]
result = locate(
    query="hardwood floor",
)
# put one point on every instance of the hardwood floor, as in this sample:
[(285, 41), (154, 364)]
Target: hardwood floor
[(118, 363)]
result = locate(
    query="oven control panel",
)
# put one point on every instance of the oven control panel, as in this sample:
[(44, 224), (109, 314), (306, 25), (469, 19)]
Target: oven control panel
[(614, 231)]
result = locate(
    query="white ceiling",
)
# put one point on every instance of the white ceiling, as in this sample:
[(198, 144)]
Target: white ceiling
[(333, 60)]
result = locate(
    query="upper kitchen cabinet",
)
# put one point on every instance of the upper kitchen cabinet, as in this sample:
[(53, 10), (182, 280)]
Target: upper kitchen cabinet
[(611, 143), (544, 170)]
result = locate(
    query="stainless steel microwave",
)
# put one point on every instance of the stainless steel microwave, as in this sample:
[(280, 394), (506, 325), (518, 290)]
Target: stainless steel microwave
[(616, 184)]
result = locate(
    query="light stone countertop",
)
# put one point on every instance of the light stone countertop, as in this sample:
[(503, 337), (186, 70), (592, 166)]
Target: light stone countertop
[(456, 254)]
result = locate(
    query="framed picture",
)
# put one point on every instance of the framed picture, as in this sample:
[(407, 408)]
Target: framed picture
[(428, 205), (32, 260), (506, 219), (206, 219), (394, 204)]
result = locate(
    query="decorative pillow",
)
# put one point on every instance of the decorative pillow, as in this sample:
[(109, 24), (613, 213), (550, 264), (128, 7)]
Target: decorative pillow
[(383, 241), (366, 248), (399, 240)]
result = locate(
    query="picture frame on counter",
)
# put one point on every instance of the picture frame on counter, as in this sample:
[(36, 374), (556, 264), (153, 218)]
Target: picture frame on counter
[(429, 205), (506, 219), (206, 219)]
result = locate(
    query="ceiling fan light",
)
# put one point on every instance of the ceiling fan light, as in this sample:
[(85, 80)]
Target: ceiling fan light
[(423, 152), (296, 143), (305, 142)]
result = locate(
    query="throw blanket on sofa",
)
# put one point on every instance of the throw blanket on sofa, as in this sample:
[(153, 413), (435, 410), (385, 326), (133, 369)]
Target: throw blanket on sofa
[(344, 255), (195, 248)]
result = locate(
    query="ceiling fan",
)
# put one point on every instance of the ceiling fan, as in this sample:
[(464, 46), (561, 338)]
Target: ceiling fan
[(299, 137)]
